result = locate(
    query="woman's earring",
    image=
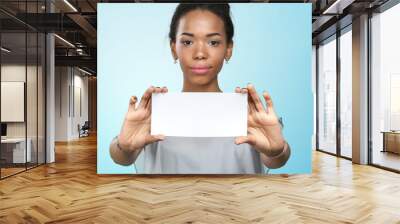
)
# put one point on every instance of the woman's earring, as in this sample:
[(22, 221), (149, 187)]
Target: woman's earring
[(175, 61), (226, 60)]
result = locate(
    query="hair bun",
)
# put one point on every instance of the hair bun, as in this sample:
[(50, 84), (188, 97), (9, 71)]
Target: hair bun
[(222, 10)]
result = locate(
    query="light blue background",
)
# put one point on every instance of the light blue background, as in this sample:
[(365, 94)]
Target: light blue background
[(272, 49)]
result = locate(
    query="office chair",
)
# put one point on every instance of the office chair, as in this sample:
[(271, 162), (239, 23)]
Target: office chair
[(84, 130)]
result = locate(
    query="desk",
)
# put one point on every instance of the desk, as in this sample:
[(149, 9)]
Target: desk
[(16, 151), (391, 141)]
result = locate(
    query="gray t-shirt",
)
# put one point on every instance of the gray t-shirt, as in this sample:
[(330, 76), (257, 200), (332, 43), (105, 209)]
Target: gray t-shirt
[(199, 155)]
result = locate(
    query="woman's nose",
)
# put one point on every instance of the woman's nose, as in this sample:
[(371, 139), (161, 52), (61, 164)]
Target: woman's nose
[(200, 52)]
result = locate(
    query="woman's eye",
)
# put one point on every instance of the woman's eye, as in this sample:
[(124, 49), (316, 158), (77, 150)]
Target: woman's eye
[(214, 43), (186, 42)]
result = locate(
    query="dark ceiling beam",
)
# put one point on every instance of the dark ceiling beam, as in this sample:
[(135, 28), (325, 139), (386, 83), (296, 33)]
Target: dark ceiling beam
[(338, 6), (83, 61), (86, 26), (16, 18), (91, 71), (52, 22), (332, 29), (320, 22), (91, 5), (86, 51), (381, 6), (80, 20), (10, 25), (336, 16), (49, 22), (324, 16)]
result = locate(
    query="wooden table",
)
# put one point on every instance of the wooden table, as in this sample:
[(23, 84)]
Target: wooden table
[(391, 141)]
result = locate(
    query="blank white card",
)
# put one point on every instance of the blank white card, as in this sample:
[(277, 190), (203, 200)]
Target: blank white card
[(192, 114)]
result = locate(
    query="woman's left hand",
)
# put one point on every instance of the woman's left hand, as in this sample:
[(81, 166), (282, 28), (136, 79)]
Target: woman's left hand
[(264, 131)]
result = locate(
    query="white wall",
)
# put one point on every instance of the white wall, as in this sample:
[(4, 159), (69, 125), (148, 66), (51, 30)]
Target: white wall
[(15, 72), (9, 73), (81, 84), (61, 103), (70, 83)]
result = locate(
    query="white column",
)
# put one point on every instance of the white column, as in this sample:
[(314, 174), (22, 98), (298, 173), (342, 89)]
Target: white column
[(50, 92), (360, 90)]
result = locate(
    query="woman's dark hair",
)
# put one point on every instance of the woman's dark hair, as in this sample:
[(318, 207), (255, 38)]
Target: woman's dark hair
[(222, 10)]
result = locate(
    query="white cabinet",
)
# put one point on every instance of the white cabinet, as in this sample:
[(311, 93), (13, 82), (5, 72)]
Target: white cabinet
[(18, 149)]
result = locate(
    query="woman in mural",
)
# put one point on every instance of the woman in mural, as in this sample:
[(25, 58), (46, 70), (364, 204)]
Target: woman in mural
[(201, 39)]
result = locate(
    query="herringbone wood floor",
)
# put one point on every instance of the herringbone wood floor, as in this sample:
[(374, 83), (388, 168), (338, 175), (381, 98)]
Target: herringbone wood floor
[(70, 191)]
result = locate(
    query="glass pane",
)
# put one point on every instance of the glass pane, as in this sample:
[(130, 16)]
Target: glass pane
[(314, 75), (386, 89), (31, 84), (41, 98), (327, 97), (31, 100), (13, 86), (346, 94), (23, 88)]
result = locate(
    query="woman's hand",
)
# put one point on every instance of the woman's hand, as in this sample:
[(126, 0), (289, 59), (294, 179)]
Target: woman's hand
[(263, 128), (135, 132)]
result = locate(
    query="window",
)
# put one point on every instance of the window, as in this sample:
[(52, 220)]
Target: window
[(385, 88), (346, 93), (327, 96)]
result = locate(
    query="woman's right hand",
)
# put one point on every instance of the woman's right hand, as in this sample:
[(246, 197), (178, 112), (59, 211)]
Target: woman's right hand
[(135, 132)]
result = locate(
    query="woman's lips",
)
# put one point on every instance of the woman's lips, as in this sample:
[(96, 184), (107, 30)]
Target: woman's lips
[(200, 70)]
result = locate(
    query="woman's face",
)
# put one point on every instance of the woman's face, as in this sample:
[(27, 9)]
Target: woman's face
[(201, 46)]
